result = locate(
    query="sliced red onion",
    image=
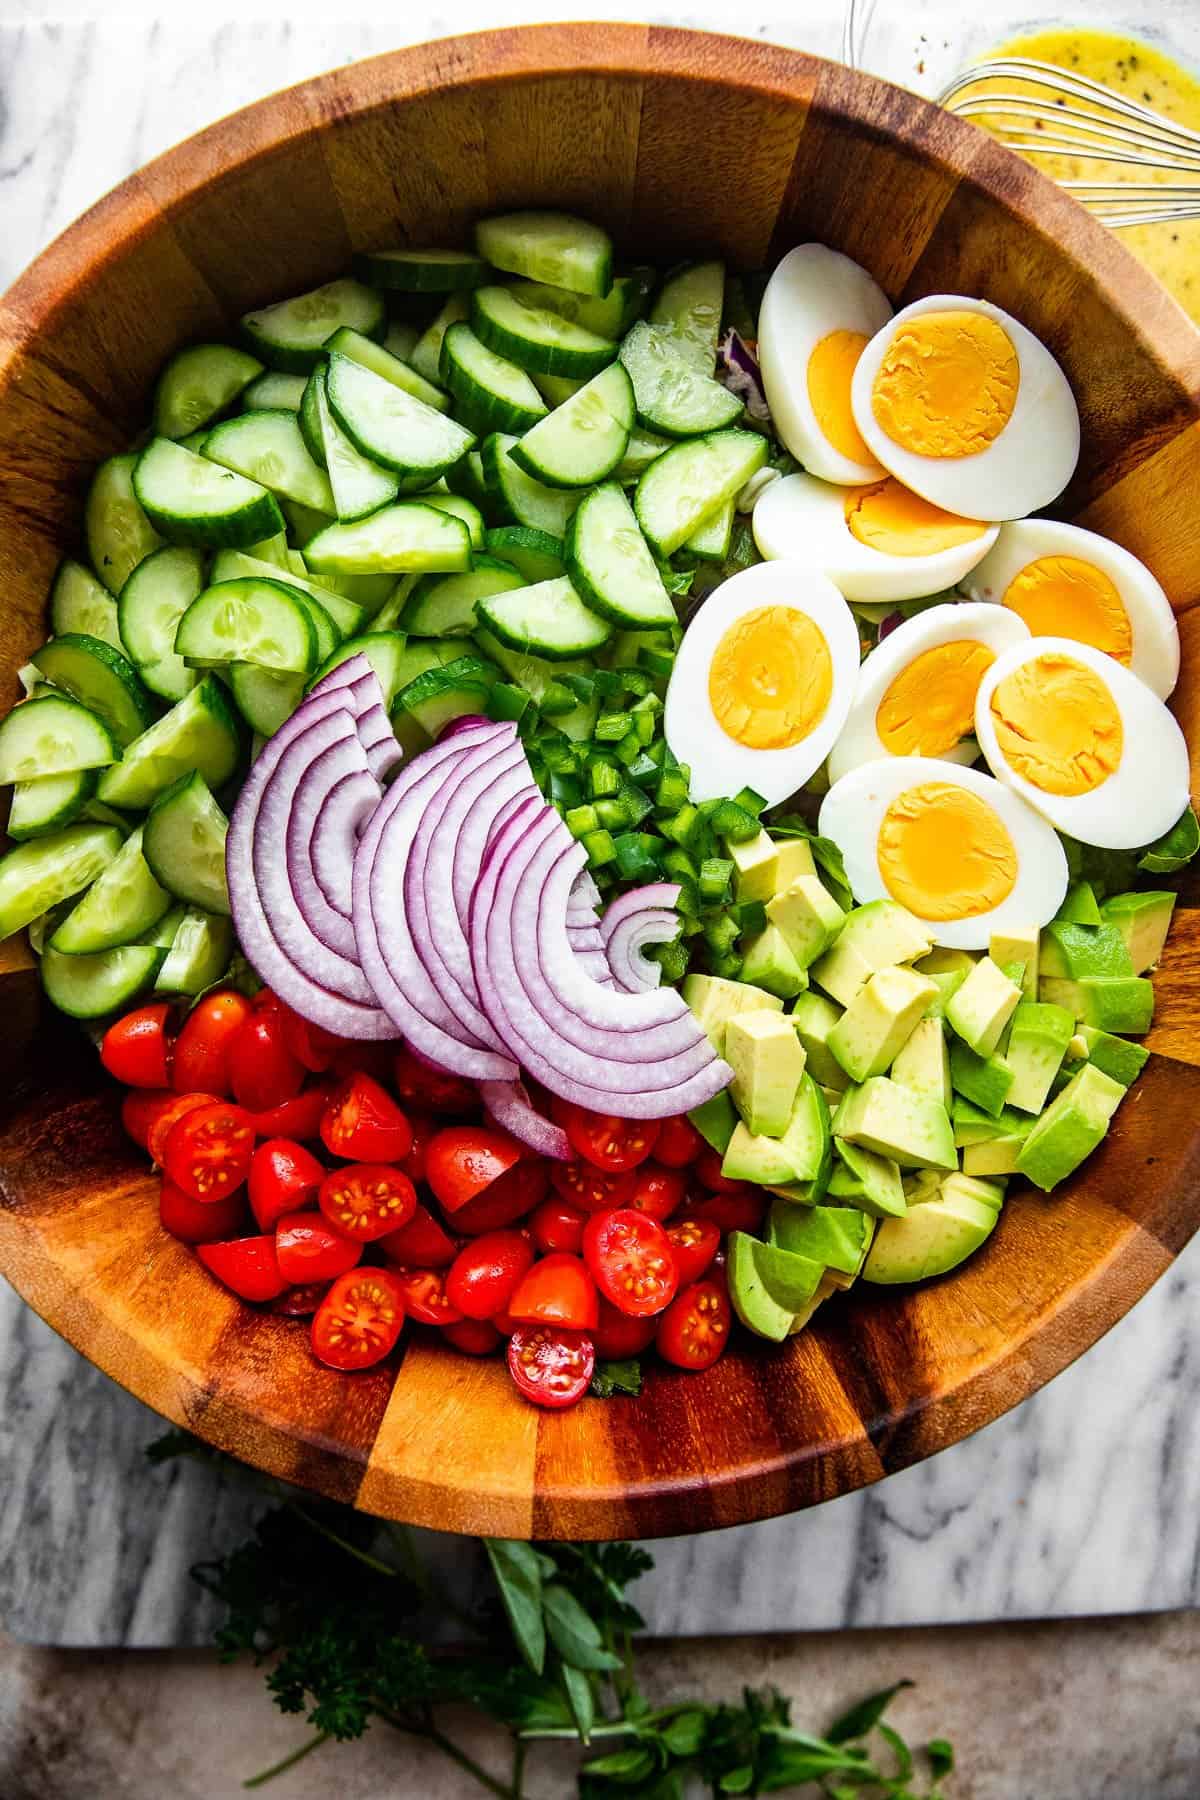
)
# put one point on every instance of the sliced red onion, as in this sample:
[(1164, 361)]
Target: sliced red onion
[(738, 370), (384, 754), (337, 791), (508, 1105), (341, 821), (889, 624), (631, 924)]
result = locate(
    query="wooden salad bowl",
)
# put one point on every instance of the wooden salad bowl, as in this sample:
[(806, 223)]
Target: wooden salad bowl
[(680, 143)]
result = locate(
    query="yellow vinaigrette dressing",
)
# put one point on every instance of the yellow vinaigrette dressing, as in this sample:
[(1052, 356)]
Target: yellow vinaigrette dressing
[(1145, 74)]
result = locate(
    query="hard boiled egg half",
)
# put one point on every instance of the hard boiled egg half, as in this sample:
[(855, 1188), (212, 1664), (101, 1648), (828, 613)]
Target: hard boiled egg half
[(962, 852), (818, 312), (962, 404), (762, 682), (1084, 741), (878, 543), (916, 692), (1067, 582)]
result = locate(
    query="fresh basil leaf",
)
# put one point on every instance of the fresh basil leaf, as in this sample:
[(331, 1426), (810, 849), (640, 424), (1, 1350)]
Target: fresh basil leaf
[(519, 1577), (783, 1765), (941, 1757), (826, 854), (684, 1734), (616, 1378), (864, 1717), (900, 1750), (581, 1700), (574, 1635), (738, 1781), (1175, 849), (624, 1766)]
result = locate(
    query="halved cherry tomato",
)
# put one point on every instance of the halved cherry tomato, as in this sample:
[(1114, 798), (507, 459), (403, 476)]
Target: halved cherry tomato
[(617, 1335), (247, 1265), (359, 1319), (478, 1337), (631, 1261), (175, 1107), (425, 1297), (558, 1290), (136, 1049), (678, 1142), (505, 1201), (550, 1366), (262, 1070), (462, 1160), (657, 1192), (694, 1330), (208, 1150), (592, 1190), (432, 1090), (284, 1178), (606, 1141), (695, 1243), (300, 1302), (424, 1130), (367, 1200), (309, 1249), (556, 1225), (310, 1044), (196, 1221), (299, 1118), (201, 1063), (484, 1275), (363, 1123), (421, 1244), (141, 1107), (743, 1211), (708, 1173)]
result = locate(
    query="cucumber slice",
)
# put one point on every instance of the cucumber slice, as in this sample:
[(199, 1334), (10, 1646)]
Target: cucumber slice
[(421, 271), (152, 602), (447, 692), (345, 616), (644, 447), (609, 317), (291, 335), (121, 906), (582, 441), (48, 802), (264, 697), (537, 555), (460, 508), (535, 338), (400, 538), (78, 602), (426, 355), (273, 392), (91, 987), (611, 566), (711, 543), (493, 394), (400, 339), (162, 935), (556, 390), (466, 481), (119, 535), (183, 841), (548, 619), (192, 500), (197, 384), (309, 417), (554, 247), (53, 735), (250, 620), (682, 490), (384, 650), (199, 954), (36, 876), (268, 448), (392, 611), (200, 732), (359, 485), (687, 313), (382, 360), (444, 605), (529, 501), (420, 654), (389, 426), (273, 550), (673, 397), (101, 679)]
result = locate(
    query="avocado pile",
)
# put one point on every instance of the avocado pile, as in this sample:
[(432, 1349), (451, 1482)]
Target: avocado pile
[(884, 1090)]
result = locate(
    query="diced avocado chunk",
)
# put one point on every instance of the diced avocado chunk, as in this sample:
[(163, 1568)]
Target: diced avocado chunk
[(1069, 952), (1037, 1044), (974, 1125), (1143, 920), (759, 1159), (1115, 1056), (893, 1121), (982, 1007), (715, 1001), (1017, 947), (1070, 1128), (814, 1018), (875, 936), (756, 861), (802, 1154), (768, 963), (767, 1059), (837, 1237), (999, 1156), (879, 1021), (808, 916), (716, 1120), (769, 1286), (827, 1287), (871, 1182), (962, 1186), (1122, 1004), (1080, 906), (795, 858), (987, 1080), (923, 1063), (930, 1239), (948, 969)]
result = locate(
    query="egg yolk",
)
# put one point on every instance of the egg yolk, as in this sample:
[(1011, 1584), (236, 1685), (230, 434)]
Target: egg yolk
[(1057, 725), (1062, 596), (947, 385), (830, 371), (930, 706), (944, 853), (770, 678), (892, 519)]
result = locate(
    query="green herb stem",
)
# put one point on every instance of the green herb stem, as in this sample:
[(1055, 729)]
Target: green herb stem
[(449, 1748), (287, 1762)]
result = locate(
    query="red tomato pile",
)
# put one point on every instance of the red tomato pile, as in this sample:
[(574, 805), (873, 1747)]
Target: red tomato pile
[(355, 1185)]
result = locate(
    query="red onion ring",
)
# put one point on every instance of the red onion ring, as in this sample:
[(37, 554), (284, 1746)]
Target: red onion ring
[(508, 1105), (643, 916)]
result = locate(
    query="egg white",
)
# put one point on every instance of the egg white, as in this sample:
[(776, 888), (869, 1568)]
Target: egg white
[(806, 519), (1143, 796), (1155, 658), (813, 291), (859, 741), (1025, 467), (719, 764), (852, 814)]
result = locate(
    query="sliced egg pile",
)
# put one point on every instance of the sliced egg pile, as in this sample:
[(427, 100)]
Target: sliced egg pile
[(925, 438)]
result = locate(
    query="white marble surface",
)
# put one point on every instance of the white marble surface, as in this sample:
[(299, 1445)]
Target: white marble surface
[(1086, 1500)]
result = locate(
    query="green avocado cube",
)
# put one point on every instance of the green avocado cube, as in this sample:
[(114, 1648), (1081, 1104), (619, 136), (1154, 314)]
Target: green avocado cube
[(922, 1185), (808, 916), (1070, 1128), (755, 1158), (801, 1154), (1006, 947), (879, 1021), (930, 1239), (875, 936), (838, 1237), (1115, 1056), (986, 1080), (757, 863), (982, 1007), (768, 963), (923, 1063), (813, 1019), (769, 1286), (962, 1186), (1143, 920), (973, 1125), (1037, 1044), (794, 859), (715, 1001), (767, 1059), (999, 1156), (827, 1287), (716, 1120), (1122, 1004), (1069, 952), (870, 1182), (1080, 906), (881, 1115)]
